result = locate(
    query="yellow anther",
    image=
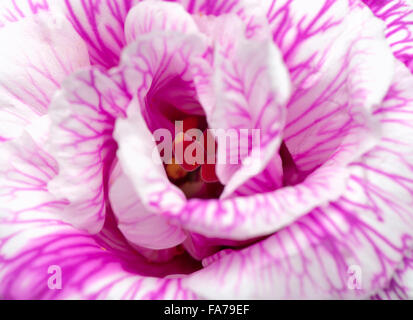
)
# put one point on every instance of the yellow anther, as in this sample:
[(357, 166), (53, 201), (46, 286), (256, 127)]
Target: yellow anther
[(175, 171)]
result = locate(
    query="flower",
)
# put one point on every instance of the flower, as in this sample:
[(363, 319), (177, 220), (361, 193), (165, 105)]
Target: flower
[(323, 209)]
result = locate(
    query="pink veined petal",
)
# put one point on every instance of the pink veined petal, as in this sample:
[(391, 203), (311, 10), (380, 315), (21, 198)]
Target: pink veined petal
[(323, 113), (101, 26), (92, 267), (39, 52), (83, 115), (246, 19), (173, 53), (25, 172), (207, 7), (351, 248), (13, 11), (250, 87), (140, 161), (398, 16), (340, 135), (149, 66), (202, 248), (243, 218), (269, 179), (157, 68), (251, 12), (148, 17), (139, 225), (400, 287), (339, 70), (34, 242)]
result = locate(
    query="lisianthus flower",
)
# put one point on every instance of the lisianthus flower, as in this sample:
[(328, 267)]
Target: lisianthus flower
[(320, 208)]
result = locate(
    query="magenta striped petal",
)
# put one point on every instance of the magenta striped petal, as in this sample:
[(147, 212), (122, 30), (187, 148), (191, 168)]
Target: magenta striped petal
[(25, 171), (251, 87), (153, 17), (329, 124), (139, 225), (242, 218), (92, 267), (101, 25), (400, 286), (99, 267), (139, 159), (12, 11), (346, 73), (148, 17), (83, 115), (34, 242), (158, 68), (39, 51), (207, 7), (326, 214), (367, 231), (398, 16)]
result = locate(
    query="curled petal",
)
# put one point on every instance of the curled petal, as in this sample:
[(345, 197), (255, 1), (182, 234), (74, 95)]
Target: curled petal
[(36, 247), (329, 125), (83, 114), (91, 267), (243, 218), (138, 224), (251, 88), (340, 70), (148, 17), (140, 160), (157, 68), (350, 248), (158, 64)]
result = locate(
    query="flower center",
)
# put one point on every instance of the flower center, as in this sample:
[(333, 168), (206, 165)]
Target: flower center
[(192, 167)]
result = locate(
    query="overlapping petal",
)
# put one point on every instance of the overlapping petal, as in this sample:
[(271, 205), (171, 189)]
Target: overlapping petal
[(340, 227), (13, 11), (398, 16), (39, 51), (368, 230), (140, 191), (329, 122), (92, 267), (35, 244), (83, 114), (251, 89), (335, 84), (148, 17), (151, 67), (101, 26), (157, 69)]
